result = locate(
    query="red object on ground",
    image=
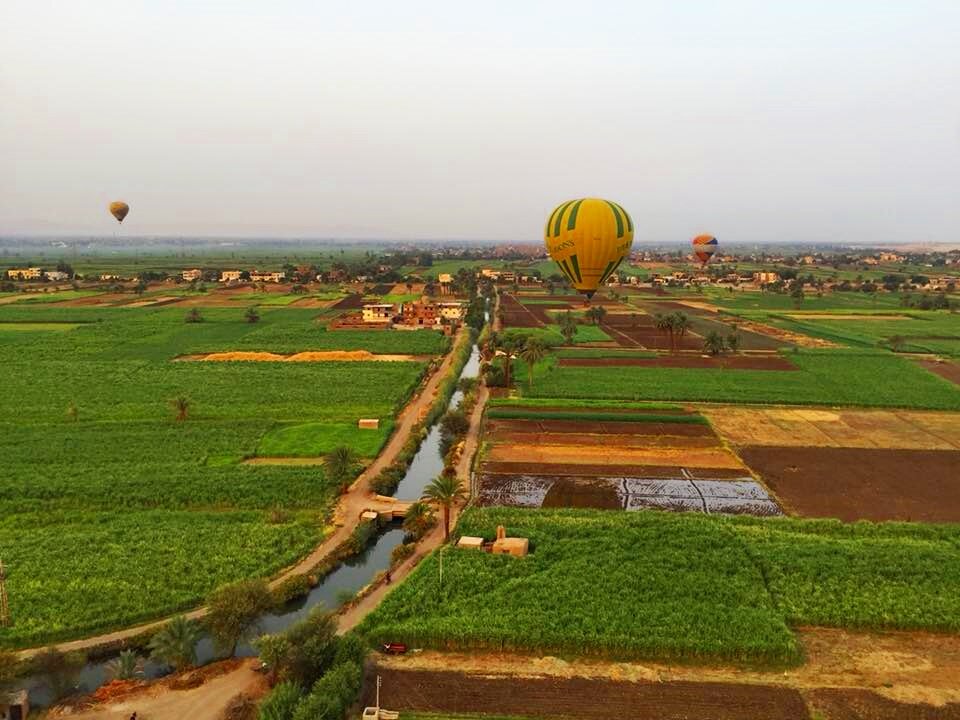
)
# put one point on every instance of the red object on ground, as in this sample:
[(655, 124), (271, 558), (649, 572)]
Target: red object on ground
[(394, 648)]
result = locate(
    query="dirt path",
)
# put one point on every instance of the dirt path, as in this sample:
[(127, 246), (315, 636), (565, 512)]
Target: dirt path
[(158, 702), (905, 667), (357, 612), (346, 515)]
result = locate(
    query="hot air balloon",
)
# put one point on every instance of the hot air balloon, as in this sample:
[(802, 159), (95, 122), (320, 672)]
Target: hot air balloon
[(588, 239), (704, 246), (119, 210)]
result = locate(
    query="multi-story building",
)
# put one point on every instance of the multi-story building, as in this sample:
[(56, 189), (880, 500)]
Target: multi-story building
[(230, 275), (33, 273), (192, 275)]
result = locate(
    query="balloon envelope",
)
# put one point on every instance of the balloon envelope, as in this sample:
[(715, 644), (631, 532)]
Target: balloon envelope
[(588, 239), (704, 246), (119, 210)]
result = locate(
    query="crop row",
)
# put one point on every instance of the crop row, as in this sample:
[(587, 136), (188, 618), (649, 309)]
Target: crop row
[(878, 379), (651, 584)]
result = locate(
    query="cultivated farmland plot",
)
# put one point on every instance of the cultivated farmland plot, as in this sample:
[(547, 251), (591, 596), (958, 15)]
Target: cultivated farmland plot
[(112, 512)]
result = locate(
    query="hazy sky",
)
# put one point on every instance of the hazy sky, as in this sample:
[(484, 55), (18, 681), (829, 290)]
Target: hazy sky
[(770, 120)]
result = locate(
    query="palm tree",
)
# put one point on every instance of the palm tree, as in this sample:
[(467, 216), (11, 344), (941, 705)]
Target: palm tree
[(532, 353), (418, 519), (599, 312), (713, 343), (176, 643), (733, 342), (181, 405), (126, 666), (339, 464), (251, 315), (445, 491), (568, 327), (681, 323), (664, 323), (194, 316)]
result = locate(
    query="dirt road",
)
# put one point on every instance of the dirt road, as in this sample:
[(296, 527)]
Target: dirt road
[(159, 702)]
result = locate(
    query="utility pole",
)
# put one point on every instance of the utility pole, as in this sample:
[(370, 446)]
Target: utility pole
[(4, 605)]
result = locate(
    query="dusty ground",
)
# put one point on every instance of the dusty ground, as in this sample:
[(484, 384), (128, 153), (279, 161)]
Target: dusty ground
[(807, 427), (157, 701), (862, 484), (921, 670), (610, 470), (574, 454), (784, 335), (576, 697), (500, 426), (947, 370)]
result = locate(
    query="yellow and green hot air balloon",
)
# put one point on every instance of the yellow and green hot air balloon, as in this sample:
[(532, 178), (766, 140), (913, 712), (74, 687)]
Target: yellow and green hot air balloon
[(119, 210), (588, 239)]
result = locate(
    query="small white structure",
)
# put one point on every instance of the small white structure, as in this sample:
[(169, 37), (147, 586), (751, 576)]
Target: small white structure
[(470, 542)]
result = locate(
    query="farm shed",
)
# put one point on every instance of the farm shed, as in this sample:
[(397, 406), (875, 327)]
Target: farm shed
[(14, 706)]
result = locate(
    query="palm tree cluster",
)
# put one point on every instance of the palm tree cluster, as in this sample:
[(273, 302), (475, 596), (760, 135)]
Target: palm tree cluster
[(674, 325), (508, 348), (596, 314)]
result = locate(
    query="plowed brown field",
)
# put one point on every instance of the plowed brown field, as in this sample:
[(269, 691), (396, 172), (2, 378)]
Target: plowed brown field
[(852, 704), (857, 484), (452, 692)]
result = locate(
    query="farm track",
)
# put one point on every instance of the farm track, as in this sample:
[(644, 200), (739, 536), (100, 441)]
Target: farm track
[(346, 515), (893, 675)]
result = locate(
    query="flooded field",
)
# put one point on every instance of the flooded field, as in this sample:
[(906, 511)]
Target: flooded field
[(742, 496)]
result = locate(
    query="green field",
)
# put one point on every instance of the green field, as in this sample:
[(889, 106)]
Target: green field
[(921, 331), (677, 586), (850, 301), (117, 513), (56, 296), (319, 438), (824, 377)]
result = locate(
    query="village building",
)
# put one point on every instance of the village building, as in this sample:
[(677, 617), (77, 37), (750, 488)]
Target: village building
[(192, 274), (33, 273), (56, 276), (379, 312), (446, 283), (230, 276), (261, 276), (765, 278)]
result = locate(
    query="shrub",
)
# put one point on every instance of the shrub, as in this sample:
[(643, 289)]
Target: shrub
[(332, 694), (290, 588), (281, 703)]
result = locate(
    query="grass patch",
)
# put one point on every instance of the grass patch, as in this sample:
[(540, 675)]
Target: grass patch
[(550, 335), (870, 379), (319, 438), (529, 402)]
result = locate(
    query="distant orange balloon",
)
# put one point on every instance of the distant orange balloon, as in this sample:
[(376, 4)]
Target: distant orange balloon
[(119, 210), (704, 246)]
